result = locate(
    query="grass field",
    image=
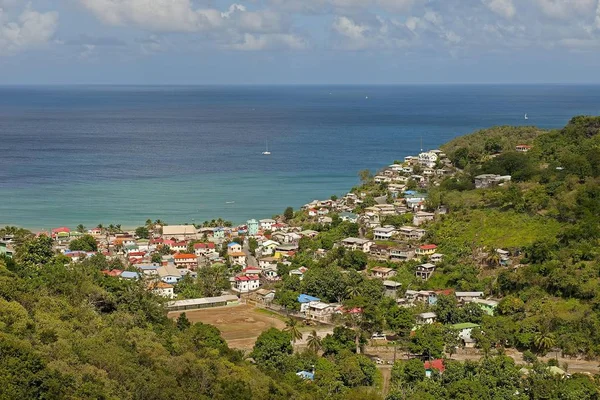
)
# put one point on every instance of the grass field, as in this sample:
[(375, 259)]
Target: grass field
[(239, 325)]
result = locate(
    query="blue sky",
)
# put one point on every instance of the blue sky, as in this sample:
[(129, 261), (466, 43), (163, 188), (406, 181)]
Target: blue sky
[(299, 41)]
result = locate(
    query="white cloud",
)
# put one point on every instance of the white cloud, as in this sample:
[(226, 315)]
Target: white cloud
[(155, 15), (277, 41), (505, 8), (31, 29), (565, 9)]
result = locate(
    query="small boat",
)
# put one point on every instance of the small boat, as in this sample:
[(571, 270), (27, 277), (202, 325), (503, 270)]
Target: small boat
[(230, 202), (526, 116), (267, 152)]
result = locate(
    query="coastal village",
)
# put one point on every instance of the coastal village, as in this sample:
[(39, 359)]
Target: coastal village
[(389, 213)]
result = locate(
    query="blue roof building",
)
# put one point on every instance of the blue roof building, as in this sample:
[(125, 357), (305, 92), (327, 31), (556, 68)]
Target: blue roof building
[(129, 275), (304, 298)]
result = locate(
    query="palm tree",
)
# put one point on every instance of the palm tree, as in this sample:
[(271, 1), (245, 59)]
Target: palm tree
[(493, 259), (80, 228), (291, 327), (544, 341), (314, 342), (353, 290)]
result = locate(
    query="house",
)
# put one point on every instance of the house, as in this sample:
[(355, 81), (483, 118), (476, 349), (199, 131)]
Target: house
[(202, 249), (464, 332), (234, 247), (313, 212), (371, 219), (264, 296), (245, 283), (271, 274), (267, 262), (380, 251), (168, 273), (363, 245), (5, 250), (488, 180), (404, 253), (382, 272), (412, 233), (219, 234), (252, 226), (298, 272), (428, 159), (179, 232), (436, 258), (522, 148), (434, 365), (250, 271), (467, 297), (238, 258), (267, 224), (325, 220), (130, 275), (61, 233), (426, 250), (268, 246), (348, 216), (179, 246), (422, 217), (424, 271), (391, 288), (384, 232), (304, 301), (148, 269), (320, 311), (161, 288), (186, 260), (489, 306), (426, 318)]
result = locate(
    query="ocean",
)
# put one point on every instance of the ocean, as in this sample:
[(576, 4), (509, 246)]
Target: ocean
[(123, 154)]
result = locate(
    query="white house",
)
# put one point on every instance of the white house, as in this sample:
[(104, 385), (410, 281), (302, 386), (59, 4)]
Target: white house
[(363, 245), (384, 232), (162, 289), (267, 262), (382, 272), (168, 273), (421, 217), (320, 311), (245, 283), (267, 224), (426, 318), (428, 159), (234, 247), (238, 258)]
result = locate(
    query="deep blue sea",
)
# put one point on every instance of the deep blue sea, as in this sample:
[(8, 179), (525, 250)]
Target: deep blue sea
[(122, 154)]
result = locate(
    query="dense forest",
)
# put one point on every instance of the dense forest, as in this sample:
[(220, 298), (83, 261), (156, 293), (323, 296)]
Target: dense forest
[(67, 331)]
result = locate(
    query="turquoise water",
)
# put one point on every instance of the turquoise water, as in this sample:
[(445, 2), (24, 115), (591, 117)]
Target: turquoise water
[(122, 154)]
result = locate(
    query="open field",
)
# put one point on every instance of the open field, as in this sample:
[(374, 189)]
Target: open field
[(239, 325)]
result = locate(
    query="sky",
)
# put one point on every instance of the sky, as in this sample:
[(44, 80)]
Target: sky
[(299, 41)]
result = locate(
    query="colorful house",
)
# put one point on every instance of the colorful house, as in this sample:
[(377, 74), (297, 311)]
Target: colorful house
[(252, 227)]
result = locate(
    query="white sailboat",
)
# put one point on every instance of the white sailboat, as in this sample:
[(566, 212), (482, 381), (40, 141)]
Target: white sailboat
[(526, 116), (267, 152)]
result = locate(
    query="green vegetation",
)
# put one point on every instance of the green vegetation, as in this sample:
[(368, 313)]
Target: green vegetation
[(67, 331), (84, 243), (491, 378)]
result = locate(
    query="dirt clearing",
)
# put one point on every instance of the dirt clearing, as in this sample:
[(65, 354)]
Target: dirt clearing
[(240, 325)]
